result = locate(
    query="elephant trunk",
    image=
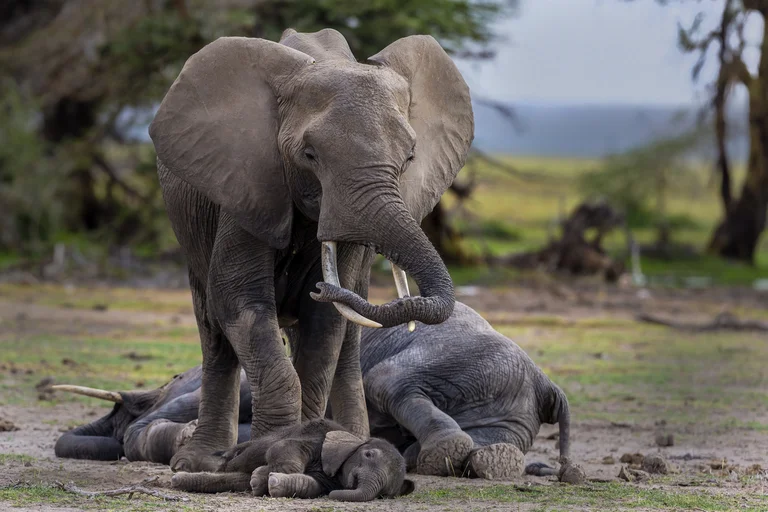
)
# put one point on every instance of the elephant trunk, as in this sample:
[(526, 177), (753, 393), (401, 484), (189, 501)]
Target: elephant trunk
[(364, 492), (396, 235), (93, 441)]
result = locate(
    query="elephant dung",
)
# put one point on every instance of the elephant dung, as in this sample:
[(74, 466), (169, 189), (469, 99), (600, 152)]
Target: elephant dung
[(655, 464), (571, 473), (663, 439)]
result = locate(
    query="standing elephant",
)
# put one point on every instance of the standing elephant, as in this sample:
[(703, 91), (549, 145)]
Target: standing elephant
[(286, 167), (459, 392)]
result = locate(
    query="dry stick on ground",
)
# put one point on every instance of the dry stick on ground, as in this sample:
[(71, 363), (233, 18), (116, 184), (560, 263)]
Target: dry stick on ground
[(129, 490), (723, 321)]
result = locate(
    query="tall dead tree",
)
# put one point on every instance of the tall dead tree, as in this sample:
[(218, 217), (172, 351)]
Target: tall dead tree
[(738, 234)]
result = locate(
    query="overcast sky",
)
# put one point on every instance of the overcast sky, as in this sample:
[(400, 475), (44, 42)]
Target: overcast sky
[(595, 51)]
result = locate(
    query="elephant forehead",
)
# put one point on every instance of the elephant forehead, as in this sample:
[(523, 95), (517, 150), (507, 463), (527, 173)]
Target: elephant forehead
[(352, 84)]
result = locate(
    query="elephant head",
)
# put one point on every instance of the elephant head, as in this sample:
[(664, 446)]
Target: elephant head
[(368, 468), (103, 439), (365, 150)]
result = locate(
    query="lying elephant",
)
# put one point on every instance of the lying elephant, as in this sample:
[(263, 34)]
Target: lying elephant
[(453, 397), (309, 460)]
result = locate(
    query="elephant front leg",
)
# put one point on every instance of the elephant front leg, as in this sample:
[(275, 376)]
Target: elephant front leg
[(219, 395), (241, 290), (294, 485), (442, 446), (316, 352), (347, 393)]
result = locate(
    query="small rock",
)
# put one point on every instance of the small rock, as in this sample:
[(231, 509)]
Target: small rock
[(632, 458), (665, 439), (45, 384), (571, 473), (632, 475), (625, 475), (140, 384), (655, 464), (100, 307), (68, 362), (7, 426), (609, 460)]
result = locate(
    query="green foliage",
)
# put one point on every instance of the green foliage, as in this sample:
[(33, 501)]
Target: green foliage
[(29, 177), (369, 26), (72, 183), (640, 180)]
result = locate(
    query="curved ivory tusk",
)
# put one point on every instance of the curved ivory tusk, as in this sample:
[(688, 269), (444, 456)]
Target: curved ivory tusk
[(92, 392), (401, 283), (331, 276)]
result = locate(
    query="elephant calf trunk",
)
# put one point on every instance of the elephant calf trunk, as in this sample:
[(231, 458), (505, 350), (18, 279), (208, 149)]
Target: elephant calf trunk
[(211, 482)]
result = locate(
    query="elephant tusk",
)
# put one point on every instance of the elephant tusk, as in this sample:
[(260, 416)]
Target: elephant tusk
[(401, 283), (110, 396), (331, 276)]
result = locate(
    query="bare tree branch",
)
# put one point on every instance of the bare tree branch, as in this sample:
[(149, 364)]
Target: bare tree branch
[(109, 171), (129, 490)]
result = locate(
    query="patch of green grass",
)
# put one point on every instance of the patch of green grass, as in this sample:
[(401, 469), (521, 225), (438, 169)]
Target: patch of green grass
[(612, 495), (102, 361), (30, 495), (150, 300), (6, 458), (640, 373)]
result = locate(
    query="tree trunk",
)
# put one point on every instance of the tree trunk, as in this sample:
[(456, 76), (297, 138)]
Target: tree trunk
[(738, 235)]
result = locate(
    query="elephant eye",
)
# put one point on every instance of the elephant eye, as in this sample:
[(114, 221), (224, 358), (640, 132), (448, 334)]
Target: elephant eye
[(412, 155), (309, 153)]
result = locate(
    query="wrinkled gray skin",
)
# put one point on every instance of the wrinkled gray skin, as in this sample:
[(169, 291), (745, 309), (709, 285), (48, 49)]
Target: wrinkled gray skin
[(267, 149), (455, 389), (149, 425), (459, 390), (307, 461)]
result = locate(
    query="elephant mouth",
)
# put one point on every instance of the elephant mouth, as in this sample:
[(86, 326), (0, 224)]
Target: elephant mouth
[(331, 276)]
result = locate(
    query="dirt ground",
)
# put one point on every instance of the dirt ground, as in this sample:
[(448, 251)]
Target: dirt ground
[(713, 468)]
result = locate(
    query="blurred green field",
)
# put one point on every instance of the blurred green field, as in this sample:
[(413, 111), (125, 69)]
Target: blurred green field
[(512, 214), (507, 214)]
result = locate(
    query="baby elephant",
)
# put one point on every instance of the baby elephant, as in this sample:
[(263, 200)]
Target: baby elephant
[(307, 461)]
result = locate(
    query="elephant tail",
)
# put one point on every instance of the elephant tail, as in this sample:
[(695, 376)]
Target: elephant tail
[(539, 469), (559, 413), (563, 417)]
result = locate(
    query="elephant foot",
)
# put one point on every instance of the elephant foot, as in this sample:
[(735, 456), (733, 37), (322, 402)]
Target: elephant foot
[(260, 481), (444, 456), (191, 459), (278, 487), (501, 461)]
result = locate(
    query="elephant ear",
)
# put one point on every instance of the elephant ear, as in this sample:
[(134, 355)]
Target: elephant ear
[(440, 113), (326, 44), (338, 446), (217, 130)]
